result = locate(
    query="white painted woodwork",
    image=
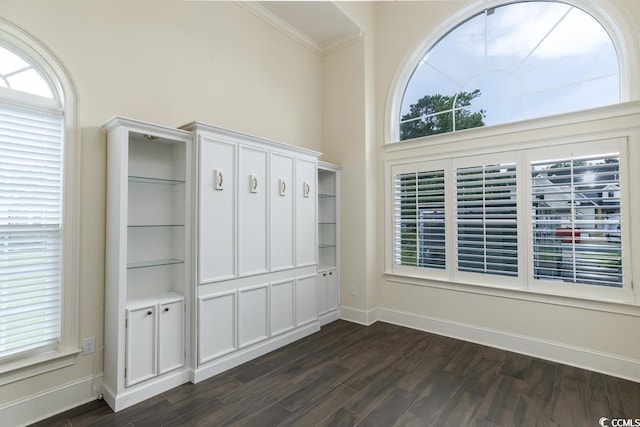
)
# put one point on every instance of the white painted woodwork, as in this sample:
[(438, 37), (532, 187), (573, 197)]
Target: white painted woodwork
[(141, 345), (148, 263), (282, 307), (306, 198), (253, 315), (281, 216), (328, 242), (216, 210), (171, 350), (306, 303), (216, 326), (253, 192)]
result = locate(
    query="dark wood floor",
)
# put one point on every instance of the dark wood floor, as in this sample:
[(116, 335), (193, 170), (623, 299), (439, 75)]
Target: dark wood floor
[(381, 375)]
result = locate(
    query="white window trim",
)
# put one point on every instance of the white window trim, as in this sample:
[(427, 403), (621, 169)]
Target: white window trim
[(611, 15), (415, 155), (66, 93)]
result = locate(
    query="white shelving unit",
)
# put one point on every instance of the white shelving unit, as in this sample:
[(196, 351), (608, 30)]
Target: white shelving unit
[(148, 265), (328, 280)]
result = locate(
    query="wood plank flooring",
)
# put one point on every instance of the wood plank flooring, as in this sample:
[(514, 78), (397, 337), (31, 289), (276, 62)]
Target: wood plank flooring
[(381, 375)]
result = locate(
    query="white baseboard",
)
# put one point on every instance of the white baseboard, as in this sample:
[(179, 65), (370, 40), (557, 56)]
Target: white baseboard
[(50, 402), (356, 315), (331, 316), (605, 363)]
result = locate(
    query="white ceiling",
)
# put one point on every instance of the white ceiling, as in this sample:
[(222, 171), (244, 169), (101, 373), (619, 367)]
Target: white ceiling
[(320, 25)]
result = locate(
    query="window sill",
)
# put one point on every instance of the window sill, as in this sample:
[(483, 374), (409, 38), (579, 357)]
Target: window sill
[(39, 364), (519, 294)]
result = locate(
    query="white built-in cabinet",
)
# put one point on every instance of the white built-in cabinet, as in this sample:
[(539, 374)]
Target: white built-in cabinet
[(256, 283), (328, 279), (148, 265), (212, 253)]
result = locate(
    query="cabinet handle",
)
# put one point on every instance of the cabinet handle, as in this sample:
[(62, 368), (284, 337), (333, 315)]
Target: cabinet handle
[(324, 275), (307, 189), (331, 273), (284, 188), (254, 180), (219, 179), (166, 309), (149, 313)]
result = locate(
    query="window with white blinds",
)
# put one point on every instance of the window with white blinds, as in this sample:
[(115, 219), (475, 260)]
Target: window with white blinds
[(576, 220), (486, 219), (547, 219), (31, 153), (420, 225)]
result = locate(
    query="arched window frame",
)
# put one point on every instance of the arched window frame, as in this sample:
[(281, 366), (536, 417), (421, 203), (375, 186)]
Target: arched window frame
[(609, 14), (65, 99)]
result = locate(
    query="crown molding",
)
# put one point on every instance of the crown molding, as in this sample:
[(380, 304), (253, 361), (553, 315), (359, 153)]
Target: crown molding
[(294, 33)]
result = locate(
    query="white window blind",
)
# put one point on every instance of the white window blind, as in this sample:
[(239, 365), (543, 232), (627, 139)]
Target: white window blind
[(30, 229), (420, 219), (576, 220), (486, 219)]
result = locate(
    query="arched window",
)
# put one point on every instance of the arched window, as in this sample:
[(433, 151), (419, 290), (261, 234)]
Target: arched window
[(38, 212), (508, 63)]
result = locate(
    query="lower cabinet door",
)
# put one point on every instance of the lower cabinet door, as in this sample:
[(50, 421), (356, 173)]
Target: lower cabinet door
[(140, 358), (170, 336), (216, 326), (332, 290), (306, 300)]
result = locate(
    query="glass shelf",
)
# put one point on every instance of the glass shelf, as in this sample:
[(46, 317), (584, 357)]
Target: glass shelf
[(147, 180), (153, 263), (324, 245), (326, 196), (327, 223)]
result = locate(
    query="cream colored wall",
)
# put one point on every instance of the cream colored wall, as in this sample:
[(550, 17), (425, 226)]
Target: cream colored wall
[(401, 27), (167, 62)]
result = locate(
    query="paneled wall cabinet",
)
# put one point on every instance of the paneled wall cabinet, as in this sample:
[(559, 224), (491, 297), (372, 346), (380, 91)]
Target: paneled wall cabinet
[(212, 253), (328, 242), (256, 260), (148, 263)]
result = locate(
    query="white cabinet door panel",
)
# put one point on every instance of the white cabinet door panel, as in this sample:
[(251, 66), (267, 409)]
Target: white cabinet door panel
[(170, 336), (332, 288), (217, 210), (281, 217), (140, 343), (253, 315), (216, 326), (306, 303), (306, 196), (253, 189), (282, 305)]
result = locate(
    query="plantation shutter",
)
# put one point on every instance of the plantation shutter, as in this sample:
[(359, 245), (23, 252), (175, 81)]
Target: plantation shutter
[(420, 220), (576, 220), (31, 153), (486, 219)]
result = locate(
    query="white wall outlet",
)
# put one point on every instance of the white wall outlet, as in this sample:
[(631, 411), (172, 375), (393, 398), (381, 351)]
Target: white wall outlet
[(352, 291), (89, 345)]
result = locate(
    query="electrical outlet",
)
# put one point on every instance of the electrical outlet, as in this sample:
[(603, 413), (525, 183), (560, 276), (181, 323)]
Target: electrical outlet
[(89, 345), (352, 291)]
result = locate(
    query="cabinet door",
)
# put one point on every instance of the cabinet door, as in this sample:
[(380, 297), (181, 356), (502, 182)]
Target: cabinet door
[(332, 289), (216, 326), (282, 225), (170, 336), (140, 359), (306, 300), (306, 196), (217, 210), (253, 189), (253, 315), (281, 307), (321, 284)]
